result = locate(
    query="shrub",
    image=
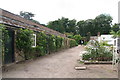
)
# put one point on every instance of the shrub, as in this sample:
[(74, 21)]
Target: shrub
[(77, 38), (73, 43), (39, 51)]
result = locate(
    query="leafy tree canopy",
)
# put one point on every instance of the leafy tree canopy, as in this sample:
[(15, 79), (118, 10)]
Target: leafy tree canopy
[(28, 16), (115, 27), (63, 25)]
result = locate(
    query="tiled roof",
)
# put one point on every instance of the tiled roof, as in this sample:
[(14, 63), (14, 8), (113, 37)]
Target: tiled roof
[(16, 20)]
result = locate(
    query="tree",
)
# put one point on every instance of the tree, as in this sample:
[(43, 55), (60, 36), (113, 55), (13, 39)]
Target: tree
[(81, 27), (27, 15), (63, 25), (56, 25), (115, 27), (86, 26), (64, 21), (71, 26), (103, 23)]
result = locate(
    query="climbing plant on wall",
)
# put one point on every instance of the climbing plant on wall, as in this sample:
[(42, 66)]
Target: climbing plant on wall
[(4, 37), (51, 43), (24, 42), (58, 42), (41, 42), (44, 43)]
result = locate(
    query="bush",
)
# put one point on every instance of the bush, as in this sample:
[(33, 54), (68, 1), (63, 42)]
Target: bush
[(73, 43), (39, 51), (77, 38)]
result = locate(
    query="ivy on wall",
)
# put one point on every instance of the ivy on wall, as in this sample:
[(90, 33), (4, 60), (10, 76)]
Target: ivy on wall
[(24, 42), (3, 39), (41, 42), (58, 42), (51, 43)]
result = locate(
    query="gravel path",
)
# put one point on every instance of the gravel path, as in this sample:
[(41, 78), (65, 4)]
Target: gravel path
[(59, 65)]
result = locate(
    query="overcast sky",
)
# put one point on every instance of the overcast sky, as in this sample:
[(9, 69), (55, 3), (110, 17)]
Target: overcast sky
[(50, 10)]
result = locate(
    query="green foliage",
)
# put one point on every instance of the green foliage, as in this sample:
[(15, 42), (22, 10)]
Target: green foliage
[(96, 51), (86, 28), (102, 24), (26, 15), (56, 25), (24, 41), (73, 43), (104, 43), (48, 43), (115, 34), (51, 43), (118, 33), (40, 51), (63, 25), (115, 27), (4, 37), (77, 38), (41, 42), (58, 42), (44, 43), (85, 43)]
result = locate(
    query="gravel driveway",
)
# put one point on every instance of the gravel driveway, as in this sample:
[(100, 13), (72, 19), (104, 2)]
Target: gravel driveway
[(59, 65)]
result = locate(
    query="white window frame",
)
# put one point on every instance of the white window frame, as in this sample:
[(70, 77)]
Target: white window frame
[(34, 36)]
